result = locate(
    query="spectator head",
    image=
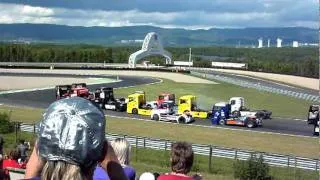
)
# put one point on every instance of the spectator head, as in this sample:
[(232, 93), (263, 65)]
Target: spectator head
[(181, 157), (71, 138), (21, 141), (14, 155), (147, 176), (122, 149)]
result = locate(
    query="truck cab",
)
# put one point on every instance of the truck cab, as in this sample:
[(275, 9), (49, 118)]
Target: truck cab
[(313, 113), (104, 97), (166, 97), (238, 109), (137, 104), (189, 103)]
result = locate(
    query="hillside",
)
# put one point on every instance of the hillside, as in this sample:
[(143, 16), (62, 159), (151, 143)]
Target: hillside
[(171, 37)]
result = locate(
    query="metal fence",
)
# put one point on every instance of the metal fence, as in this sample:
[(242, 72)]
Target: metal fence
[(248, 84), (211, 150)]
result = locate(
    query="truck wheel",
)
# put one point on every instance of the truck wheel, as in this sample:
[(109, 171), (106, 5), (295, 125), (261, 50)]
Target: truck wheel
[(134, 111), (182, 120), (221, 122), (236, 114), (155, 117), (250, 124)]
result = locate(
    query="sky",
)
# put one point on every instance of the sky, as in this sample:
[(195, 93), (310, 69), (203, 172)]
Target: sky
[(187, 14)]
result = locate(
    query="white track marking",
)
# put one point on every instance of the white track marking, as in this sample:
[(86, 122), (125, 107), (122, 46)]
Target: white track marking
[(217, 127), (294, 119)]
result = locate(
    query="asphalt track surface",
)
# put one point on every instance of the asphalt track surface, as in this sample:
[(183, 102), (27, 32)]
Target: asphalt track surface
[(42, 99), (263, 82)]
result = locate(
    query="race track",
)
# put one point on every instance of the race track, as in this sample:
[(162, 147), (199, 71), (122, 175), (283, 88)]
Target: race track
[(263, 82), (42, 99)]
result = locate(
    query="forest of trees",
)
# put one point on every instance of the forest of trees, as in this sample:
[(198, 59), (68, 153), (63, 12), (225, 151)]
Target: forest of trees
[(295, 61)]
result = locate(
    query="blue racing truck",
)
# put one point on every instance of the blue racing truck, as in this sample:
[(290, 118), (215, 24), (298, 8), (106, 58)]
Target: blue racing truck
[(221, 115)]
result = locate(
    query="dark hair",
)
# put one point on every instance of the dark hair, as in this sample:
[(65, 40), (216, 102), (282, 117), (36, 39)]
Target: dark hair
[(13, 154), (181, 157), (21, 141)]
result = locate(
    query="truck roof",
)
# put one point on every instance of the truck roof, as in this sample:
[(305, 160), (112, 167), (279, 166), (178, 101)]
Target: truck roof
[(187, 97), (220, 104)]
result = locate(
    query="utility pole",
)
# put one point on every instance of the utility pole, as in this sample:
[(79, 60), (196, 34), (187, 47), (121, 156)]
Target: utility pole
[(189, 57)]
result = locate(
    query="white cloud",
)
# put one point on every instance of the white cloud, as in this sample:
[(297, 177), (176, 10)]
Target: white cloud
[(19, 13)]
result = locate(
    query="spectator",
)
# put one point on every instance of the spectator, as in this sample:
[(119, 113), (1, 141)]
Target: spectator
[(1, 148), (148, 176), (12, 161), (122, 150), (181, 162), (22, 149), (71, 141)]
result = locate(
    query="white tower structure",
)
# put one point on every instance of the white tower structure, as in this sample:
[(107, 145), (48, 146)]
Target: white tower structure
[(279, 43), (189, 56), (260, 41), (295, 44), (151, 46), (268, 43)]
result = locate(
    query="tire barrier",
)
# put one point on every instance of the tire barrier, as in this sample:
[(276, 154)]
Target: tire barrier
[(248, 84), (211, 151)]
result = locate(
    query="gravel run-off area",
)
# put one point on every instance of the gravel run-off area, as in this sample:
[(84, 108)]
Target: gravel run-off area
[(22, 82), (11, 82)]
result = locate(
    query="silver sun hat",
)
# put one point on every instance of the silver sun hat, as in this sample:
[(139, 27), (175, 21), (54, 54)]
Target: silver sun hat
[(72, 130)]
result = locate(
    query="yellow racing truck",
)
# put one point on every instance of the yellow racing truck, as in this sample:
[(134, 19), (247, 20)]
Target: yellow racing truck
[(137, 104), (189, 103)]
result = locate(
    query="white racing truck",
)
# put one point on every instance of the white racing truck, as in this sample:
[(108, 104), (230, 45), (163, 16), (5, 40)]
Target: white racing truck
[(238, 109), (184, 118)]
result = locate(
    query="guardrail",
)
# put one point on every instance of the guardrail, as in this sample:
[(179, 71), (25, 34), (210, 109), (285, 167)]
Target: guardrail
[(211, 150), (247, 84)]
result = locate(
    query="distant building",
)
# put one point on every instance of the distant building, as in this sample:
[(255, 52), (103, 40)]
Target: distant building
[(268, 43), (260, 43), (295, 44), (279, 43)]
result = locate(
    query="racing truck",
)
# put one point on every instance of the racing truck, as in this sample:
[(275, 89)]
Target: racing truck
[(159, 115), (222, 116), (313, 118), (166, 97), (246, 121), (104, 97), (76, 89), (137, 104), (189, 103), (238, 109)]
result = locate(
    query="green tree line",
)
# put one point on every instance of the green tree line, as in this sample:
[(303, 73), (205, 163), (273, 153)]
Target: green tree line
[(295, 61)]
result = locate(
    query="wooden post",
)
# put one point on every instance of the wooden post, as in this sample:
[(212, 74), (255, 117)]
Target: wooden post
[(136, 149), (236, 154), (295, 167), (210, 159)]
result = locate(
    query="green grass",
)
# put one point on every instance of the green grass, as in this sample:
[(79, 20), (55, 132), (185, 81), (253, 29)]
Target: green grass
[(220, 137), (208, 94)]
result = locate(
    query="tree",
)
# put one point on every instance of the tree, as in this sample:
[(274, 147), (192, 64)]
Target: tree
[(252, 169), (6, 126)]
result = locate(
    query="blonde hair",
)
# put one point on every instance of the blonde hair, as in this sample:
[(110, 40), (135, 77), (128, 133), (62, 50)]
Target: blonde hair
[(60, 170), (122, 150)]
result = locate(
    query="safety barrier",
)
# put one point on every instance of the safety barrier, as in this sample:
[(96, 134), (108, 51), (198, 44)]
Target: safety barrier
[(211, 150), (248, 84)]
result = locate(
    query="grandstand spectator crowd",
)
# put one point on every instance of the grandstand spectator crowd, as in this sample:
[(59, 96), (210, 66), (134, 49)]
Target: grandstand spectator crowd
[(71, 145)]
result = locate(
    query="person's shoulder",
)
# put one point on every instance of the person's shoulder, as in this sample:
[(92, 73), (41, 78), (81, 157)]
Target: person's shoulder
[(173, 177)]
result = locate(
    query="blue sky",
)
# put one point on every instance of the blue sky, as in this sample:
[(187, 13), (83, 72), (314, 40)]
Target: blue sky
[(188, 14)]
